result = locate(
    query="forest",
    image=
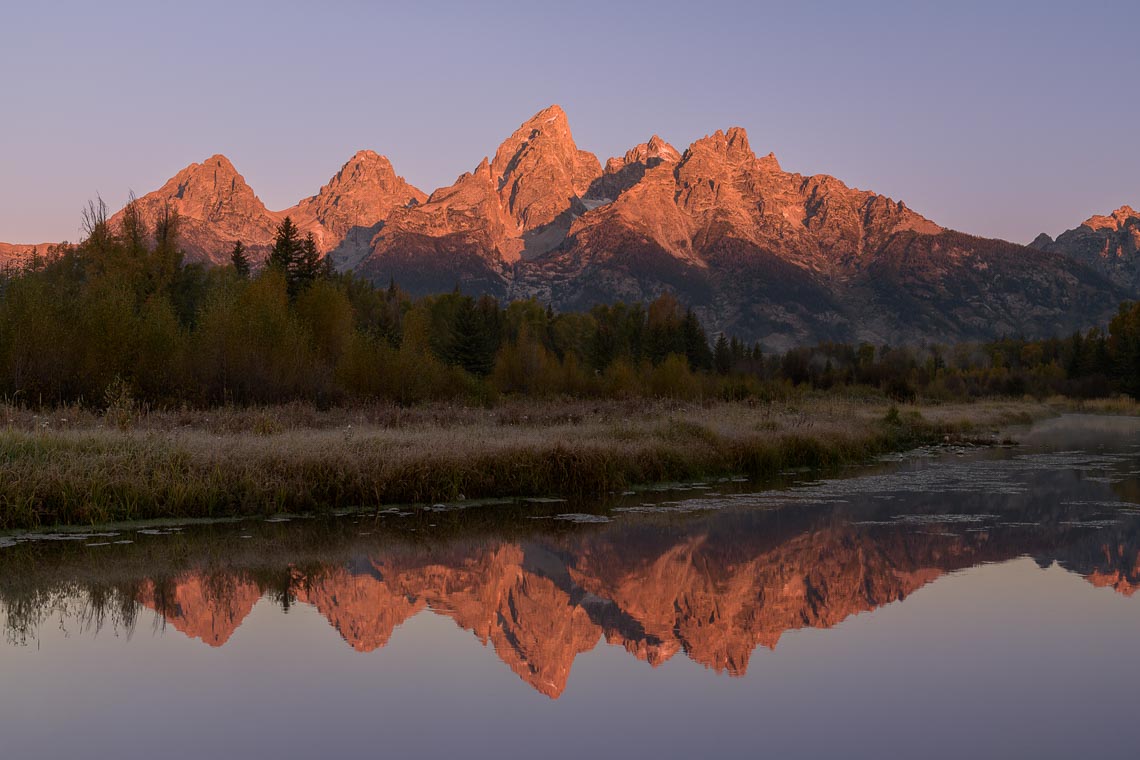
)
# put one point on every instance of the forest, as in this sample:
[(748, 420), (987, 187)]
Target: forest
[(120, 315)]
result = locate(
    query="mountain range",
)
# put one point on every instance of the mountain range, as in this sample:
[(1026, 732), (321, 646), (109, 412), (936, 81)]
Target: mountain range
[(756, 251)]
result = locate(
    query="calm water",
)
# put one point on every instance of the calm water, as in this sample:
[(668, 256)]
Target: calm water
[(952, 603)]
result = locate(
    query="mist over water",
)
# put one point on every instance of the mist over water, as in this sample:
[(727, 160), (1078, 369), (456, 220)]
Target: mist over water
[(951, 602)]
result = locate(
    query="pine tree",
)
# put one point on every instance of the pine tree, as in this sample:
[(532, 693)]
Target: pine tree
[(722, 356), (472, 343), (1124, 348), (307, 267), (696, 342), (240, 260), (1075, 365), (737, 348), (286, 247)]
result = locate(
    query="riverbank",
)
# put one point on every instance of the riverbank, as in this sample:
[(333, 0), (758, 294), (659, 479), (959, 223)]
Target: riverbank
[(80, 468)]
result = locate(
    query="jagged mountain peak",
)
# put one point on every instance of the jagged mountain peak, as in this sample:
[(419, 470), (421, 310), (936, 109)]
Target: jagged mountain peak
[(550, 120), (365, 170), (211, 179), (364, 162), (540, 170), (1114, 221), (549, 129), (624, 172), (517, 205), (769, 163), (737, 138), (650, 153), (216, 205), (659, 147), (367, 154), (1110, 244), (354, 202), (221, 161), (731, 145)]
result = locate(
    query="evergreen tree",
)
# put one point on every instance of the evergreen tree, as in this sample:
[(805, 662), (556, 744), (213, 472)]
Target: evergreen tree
[(286, 247), (696, 343), (722, 356), (240, 260), (297, 259), (1075, 363), (1124, 346), (664, 329), (737, 348), (603, 347), (472, 343), (307, 267)]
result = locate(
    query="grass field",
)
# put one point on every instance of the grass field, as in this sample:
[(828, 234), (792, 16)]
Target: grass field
[(79, 467)]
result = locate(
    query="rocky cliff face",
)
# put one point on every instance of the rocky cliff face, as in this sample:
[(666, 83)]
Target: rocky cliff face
[(218, 208), (352, 207), (788, 259), (513, 208), (1108, 244), (15, 255), (758, 252)]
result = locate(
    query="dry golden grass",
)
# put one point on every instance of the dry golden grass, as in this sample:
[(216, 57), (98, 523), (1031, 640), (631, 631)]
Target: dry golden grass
[(75, 467), (1122, 405)]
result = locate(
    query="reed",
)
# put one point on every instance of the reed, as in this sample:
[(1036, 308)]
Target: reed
[(79, 468), (1118, 405)]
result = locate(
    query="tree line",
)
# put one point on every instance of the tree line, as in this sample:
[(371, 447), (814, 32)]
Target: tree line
[(122, 313)]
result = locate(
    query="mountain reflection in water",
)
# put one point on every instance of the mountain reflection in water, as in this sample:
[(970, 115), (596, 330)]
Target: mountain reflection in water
[(707, 574)]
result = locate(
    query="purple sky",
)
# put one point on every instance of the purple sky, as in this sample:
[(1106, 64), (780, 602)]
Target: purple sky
[(1001, 119)]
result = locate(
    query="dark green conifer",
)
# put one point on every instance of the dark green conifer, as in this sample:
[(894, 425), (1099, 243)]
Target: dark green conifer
[(722, 356), (286, 247), (240, 260)]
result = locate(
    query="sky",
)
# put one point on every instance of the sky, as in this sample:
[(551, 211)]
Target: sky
[(1001, 119)]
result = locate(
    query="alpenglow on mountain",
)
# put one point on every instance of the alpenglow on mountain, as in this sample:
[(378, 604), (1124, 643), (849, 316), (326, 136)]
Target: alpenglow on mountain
[(756, 251), (1108, 244)]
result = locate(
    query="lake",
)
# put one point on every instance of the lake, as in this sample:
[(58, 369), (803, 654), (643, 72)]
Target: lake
[(950, 602)]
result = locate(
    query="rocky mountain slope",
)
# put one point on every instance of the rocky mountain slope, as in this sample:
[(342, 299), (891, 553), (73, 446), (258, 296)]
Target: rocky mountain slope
[(788, 259), (12, 254), (1108, 244), (756, 251), (509, 210), (217, 208)]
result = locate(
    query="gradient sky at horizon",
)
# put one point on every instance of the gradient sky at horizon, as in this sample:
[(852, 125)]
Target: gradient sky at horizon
[(1001, 119)]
